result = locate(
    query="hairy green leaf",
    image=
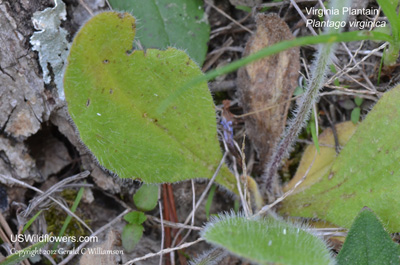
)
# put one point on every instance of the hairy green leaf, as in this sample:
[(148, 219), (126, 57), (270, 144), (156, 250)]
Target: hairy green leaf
[(368, 243), (146, 197), (170, 23), (113, 95), (366, 173), (267, 240)]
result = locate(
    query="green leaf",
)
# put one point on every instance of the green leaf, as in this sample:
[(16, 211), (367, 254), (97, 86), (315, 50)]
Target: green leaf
[(389, 9), (355, 115), (112, 98), (323, 160), (23, 254), (267, 240), (170, 23), (135, 217), (366, 172), (131, 235), (368, 243), (358, 101), (146, 197)]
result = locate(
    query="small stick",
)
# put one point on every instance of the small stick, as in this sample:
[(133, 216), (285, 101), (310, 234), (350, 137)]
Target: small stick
[(162, 223), (102, 229), (8, 178), (164, 251), (267, 207)]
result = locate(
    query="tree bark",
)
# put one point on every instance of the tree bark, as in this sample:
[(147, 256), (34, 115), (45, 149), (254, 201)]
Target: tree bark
[(37, 139)]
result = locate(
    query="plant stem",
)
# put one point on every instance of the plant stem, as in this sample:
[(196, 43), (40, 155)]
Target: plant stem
[(302, 112)]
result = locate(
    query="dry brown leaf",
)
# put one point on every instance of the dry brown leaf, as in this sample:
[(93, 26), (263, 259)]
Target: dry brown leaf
[(268, 82)]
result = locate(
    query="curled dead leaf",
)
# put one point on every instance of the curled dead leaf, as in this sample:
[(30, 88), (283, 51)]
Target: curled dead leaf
[(266, 86)]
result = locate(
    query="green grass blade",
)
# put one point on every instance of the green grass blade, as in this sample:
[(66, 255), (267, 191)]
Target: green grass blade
[(30, 222), (314, 135), (68, 219), (209, 201), (274, 49)]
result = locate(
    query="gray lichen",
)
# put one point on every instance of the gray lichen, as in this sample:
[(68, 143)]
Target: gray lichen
[(51, 43)]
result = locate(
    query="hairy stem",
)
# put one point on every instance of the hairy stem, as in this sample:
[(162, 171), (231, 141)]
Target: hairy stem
[(302, 112)]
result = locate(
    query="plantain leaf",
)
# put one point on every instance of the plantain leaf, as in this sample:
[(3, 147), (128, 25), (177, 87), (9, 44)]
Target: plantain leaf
[(170, 23), (267, 241), (113, 95), (368, 243), (324, 159), (367, 172)]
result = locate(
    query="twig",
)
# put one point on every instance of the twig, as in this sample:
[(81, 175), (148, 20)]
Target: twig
[(275, 4), (102, 229), (164, 251), (192, 221), (8, 178), (162, 223), (86, 7), (339, 74), (228, 16), (173, 224), (303, 17), (36, 201), (210, 183), (266, 208)]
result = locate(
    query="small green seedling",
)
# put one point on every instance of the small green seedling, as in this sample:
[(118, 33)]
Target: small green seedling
[(133, 231), (146, 197), (355, 113)]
